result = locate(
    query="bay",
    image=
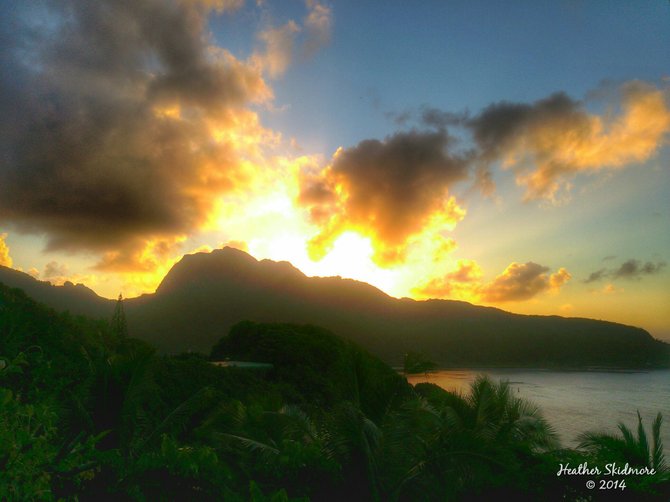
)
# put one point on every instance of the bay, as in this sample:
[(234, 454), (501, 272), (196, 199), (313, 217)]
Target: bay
[(578, 401)]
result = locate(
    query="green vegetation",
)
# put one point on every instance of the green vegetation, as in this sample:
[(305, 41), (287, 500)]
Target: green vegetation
[(416, 362), (88, 413)]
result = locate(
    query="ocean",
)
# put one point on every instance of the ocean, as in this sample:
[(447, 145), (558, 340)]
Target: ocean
[(579, 401)]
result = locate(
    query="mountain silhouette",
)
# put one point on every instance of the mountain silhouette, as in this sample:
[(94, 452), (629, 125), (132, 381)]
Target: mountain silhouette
[(204, 294), (77, 299)]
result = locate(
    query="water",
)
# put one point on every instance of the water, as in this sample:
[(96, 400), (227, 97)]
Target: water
[(579, 401)]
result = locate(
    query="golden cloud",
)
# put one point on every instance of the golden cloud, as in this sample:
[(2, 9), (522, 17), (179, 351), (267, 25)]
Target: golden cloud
[(549, 142), (522, 281), (462, 282), (390, 191), (123, 138), (5, 259)]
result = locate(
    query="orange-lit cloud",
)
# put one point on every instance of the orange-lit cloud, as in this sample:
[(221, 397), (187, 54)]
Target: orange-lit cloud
[(390, 191), (462, 282), (59, 273), (129, 129), (5, 259), (549, 142), (144, 257), (518, 282), (241, 245), (609, 289), (522, 281), (217, 5), (121, 138), (442, 247)]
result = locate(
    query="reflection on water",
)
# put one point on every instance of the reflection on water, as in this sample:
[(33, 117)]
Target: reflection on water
[(578, 401)]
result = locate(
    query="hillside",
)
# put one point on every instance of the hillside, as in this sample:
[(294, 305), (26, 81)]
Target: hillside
[(206, 293), (91, 414), (78, 299)]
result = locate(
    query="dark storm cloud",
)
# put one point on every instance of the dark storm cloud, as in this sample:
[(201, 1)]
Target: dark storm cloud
[(630, 269), (387, 189), (107, 111)]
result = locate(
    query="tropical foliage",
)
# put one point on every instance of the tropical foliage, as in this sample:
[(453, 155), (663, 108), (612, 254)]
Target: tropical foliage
[(89, 413)]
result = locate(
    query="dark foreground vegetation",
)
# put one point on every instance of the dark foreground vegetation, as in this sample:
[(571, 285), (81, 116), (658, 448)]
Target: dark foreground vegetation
[(87, 413)]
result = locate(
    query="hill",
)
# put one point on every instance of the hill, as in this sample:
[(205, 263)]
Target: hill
[(78, 299), (205, 294)]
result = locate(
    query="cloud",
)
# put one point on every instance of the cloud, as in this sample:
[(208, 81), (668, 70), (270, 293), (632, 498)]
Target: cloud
[(460, 282), (550, 141), (120, 121), (237, 244), (633, 269), (518, 282), (522, 281), (5, 259), (278, 48), (389, 191), (596, 276), (280, 42), (630, 269), (148, 257), (318, 24), (440, 119), (218, 5), (53, 269), (58, 274)]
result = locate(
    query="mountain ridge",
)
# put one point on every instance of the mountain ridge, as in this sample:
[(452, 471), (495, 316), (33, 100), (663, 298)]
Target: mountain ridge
[(204, 294)]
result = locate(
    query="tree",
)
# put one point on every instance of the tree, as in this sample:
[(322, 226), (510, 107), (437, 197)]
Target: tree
[(441, 446), (627, 449), (119, 325)]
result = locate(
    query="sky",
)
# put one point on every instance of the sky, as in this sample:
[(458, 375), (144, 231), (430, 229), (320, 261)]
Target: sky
[(510, 154)]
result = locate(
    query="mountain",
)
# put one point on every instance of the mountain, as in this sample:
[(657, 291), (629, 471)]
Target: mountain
[(206, 293), (78, 299)]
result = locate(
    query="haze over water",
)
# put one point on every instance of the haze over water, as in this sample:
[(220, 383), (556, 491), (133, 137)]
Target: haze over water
[(578, 401)]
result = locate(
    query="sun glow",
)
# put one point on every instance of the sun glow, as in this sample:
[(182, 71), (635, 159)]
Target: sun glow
[(350, 257)]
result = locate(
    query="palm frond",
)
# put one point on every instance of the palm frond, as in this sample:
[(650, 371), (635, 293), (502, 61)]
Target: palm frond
[(642, 442), (178, 416), (299, 424), (657, 456), (251, 444)]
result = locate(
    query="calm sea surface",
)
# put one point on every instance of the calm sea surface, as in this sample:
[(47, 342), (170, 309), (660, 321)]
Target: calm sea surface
[(579, 401)]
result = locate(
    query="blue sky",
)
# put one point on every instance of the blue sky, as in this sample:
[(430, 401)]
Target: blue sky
[(388, 57)]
